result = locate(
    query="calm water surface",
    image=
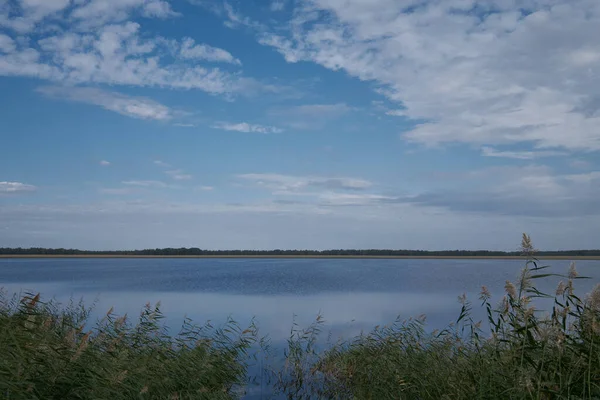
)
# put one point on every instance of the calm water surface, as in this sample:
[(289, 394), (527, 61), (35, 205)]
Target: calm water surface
[(352, 294)]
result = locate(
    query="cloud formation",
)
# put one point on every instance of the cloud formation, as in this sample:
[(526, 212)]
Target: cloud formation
[(288, 183), (179, 175), (15, 187), (246, 127), (146, 184), (189, 50), (488, 73), (103, 45), (520, 155), (136, 107), (534, 191)]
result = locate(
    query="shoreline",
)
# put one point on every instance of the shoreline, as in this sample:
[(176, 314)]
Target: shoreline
[(23, 256)]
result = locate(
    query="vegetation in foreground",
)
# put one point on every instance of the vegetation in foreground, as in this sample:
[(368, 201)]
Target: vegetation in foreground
[(525, 353), (50, 353)]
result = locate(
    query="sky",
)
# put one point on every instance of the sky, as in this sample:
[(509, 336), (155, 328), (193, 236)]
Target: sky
[(306, 124)]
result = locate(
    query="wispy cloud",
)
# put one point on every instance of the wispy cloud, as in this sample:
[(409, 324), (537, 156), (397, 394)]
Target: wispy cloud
[(246, 127), (353, 199), (101, 11), (189, 50), (236, 19), (289, 183), (520, 155), (15, 187), (146, 184), (184, 125), (161, 163), (105, 163), (179, 175), (277, 5), (136, 107), (175, 174)]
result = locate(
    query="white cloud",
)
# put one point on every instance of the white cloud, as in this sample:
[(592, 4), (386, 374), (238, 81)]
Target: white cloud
[(97, 12), (136, 107), (277, 5), (184, 125), (192, 51), (520, 155), (206, 188), (294, 184), (499, 72), (162, 164), (352, 199), (179, 175), (31, 13), (236, 20), (396, 113), (147, 184), (7, 45), (15, 187), (105, 163), (246, 127), (158, 9), (106, 47)]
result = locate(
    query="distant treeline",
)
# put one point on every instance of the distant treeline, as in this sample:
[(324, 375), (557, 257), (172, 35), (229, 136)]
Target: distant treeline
[(350, 252)]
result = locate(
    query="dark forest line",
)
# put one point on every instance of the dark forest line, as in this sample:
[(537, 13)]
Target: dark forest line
[(340, 252)]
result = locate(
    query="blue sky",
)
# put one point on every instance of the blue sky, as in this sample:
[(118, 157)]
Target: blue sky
[(299, 124)]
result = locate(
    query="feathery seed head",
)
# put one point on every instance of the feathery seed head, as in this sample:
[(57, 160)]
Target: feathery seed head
[(572, 271), (593, 299), (510, 290), (485, 293), (527, 245)]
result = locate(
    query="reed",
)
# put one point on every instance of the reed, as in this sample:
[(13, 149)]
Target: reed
[(53, 352)]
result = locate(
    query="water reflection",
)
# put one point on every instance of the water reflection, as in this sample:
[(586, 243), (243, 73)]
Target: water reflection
[(352, 295), (345, 314)]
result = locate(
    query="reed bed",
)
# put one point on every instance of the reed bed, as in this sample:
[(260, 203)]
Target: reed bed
[(49, 351)]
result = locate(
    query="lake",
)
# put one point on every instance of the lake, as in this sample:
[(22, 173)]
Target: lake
[(351, 294)]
